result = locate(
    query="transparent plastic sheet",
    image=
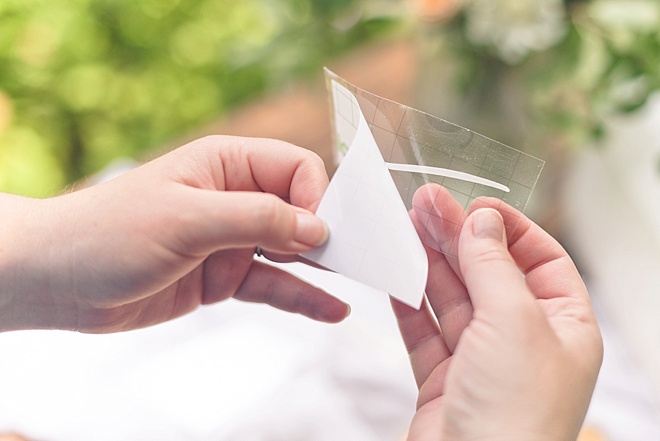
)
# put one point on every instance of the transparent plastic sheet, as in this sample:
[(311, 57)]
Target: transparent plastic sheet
[(419, 149), (392, 159)]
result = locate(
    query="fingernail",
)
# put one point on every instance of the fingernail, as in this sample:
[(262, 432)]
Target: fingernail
[(348, 311), (310, 229), (487, 223)]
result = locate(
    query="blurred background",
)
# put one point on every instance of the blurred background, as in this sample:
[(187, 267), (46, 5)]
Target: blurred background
[(89, 88), (86, 81)]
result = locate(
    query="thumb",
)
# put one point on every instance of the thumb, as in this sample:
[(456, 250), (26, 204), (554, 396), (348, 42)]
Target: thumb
[(491, 275), (229, 219)]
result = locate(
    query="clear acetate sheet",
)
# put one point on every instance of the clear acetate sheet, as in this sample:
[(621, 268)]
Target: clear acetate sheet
[(389, 154)]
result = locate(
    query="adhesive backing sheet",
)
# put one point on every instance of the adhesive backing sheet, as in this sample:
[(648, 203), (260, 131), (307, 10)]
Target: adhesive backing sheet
[(395, 158)]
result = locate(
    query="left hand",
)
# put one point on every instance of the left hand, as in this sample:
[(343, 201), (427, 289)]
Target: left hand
[(173, 234)]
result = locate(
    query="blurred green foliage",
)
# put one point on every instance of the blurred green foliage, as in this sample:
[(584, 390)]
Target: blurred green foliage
[(85, 81), (603, 59)]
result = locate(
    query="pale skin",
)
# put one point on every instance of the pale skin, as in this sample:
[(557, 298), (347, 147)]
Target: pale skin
[(495, 356), (161, 240)]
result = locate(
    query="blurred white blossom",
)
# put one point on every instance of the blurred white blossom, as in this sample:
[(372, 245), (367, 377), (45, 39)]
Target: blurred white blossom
[(516, 27), (567, 64), (625, 20)]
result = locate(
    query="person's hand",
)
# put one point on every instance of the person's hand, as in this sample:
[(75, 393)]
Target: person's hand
[(159, 241), (507, 346)]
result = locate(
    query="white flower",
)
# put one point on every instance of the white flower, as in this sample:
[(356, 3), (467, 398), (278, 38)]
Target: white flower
[(624, 21), (516, 27)]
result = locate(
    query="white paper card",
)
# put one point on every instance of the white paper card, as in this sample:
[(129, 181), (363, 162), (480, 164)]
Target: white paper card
[(372, 239)]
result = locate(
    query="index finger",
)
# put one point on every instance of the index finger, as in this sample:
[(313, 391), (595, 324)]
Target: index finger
[(445, 290), (231, 163)]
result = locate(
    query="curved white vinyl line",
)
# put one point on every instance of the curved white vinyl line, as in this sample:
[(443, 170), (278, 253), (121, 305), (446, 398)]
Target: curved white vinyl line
[(437, 171)]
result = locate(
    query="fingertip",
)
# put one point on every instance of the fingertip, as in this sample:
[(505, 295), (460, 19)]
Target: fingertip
[(348, 312), (487, 223), (491, 276), (438, 217), (425, 196), (336, 313), (515, 222), (483, 233), (311, 230)]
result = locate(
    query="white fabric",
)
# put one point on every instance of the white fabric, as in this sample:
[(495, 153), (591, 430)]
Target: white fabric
[(225, 372)]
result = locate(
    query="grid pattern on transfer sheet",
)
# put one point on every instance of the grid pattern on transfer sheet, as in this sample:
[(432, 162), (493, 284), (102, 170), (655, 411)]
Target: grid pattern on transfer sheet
[(371, 237), (408, 136)]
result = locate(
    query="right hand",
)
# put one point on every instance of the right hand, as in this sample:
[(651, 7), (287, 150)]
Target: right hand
[(498, 356)]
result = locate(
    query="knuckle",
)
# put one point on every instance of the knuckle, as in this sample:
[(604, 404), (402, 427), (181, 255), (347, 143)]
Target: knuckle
[(492, 260), (314, 159), (492, 254), (266, 212), (308, 158), (206, 142), (270, 216), (210, 139)]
